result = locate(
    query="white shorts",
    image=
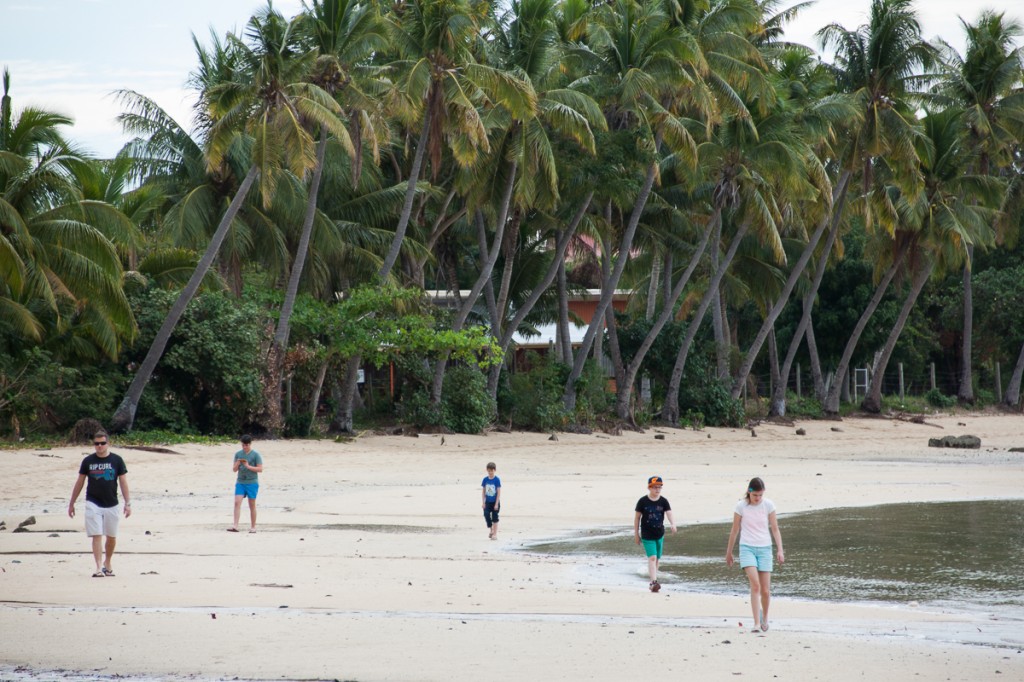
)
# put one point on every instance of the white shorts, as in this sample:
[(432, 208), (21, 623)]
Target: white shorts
[(101, 520)]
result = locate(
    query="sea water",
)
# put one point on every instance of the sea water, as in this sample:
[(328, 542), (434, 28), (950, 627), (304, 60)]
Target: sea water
[(959, 555)]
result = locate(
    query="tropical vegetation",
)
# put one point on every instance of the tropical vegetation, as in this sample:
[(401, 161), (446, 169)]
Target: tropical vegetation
[(377, 205)]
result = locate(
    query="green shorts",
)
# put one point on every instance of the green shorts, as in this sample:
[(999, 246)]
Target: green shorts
[(653, 547)]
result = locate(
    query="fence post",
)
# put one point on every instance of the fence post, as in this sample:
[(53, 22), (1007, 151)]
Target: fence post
[(932, 374), (799, 393), (999, 385), (901, 381)]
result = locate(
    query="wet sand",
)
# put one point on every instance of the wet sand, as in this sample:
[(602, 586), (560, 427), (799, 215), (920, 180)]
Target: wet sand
[(372, 560)]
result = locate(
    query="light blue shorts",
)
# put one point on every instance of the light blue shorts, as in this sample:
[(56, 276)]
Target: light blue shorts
[(759, 557), (653, 547), (249, 490)]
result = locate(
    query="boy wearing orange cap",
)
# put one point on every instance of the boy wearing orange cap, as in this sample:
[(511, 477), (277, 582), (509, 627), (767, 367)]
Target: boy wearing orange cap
[(649, 526)]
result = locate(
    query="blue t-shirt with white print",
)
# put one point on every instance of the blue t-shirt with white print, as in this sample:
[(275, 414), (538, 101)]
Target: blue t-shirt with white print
[(490, 486)]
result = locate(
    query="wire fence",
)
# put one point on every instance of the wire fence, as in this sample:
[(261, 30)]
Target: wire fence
[(898, 380)]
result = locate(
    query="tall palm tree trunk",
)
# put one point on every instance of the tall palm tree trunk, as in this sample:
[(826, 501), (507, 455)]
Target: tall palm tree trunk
[(831, 406), (966, 391), (270, 415), (487, 267), (670, 412), (773, 361), (614, 351), (652, 305), (343, 416), (564, 336), (777, 404), (562, 242), (669, 309), (608, 287), (410, 195), (509, 248), (718, 326), (1011, 398), (817, 377), (124, 416), (805, 328), (795, 273), (318, 386), (873, 398)]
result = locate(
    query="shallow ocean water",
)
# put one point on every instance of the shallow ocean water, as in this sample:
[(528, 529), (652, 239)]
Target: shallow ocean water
[(962, 555)]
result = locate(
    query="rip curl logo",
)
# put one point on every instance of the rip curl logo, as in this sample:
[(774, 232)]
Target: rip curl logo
[(103, 471)]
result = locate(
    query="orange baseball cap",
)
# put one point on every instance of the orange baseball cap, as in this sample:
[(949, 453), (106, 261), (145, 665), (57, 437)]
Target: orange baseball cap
[(654, 480)]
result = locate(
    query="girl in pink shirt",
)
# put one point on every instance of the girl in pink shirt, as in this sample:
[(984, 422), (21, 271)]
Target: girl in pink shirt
[(755, 525)]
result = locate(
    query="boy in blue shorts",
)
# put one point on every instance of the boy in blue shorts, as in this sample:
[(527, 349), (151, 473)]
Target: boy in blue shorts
[(649, 526), (248, 464)]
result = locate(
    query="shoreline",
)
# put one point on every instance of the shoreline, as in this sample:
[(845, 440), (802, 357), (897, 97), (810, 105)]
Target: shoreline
[(372, 562)]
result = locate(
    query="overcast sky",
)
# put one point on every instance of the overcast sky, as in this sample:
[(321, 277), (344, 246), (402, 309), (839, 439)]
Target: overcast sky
[(69, 55)]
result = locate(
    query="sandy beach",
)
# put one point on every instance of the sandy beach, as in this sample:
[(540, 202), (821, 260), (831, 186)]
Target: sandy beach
[(372, 560)]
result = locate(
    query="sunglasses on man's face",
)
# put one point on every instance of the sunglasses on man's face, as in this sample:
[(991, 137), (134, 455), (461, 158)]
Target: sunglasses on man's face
[(99, 442)]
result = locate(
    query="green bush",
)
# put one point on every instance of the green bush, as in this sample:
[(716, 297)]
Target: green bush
[(983, 397), (936, 398), (466, 405), (534, 396), (592, 395), (802, 406), (298, 425), (209, 377), (417, 409), (692, 420), (161, 409), (702, 392), (39, 395)]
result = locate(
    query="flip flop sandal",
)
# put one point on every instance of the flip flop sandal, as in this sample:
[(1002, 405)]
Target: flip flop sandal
[(231, 530), (108, 573), (98, 574)]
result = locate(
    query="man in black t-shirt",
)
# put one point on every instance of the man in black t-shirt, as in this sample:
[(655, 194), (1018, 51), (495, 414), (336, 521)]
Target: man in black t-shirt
[(649, 526), (100, 474)]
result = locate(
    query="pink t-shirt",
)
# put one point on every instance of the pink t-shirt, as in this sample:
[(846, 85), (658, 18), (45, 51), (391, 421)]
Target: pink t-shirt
[(754, 530)]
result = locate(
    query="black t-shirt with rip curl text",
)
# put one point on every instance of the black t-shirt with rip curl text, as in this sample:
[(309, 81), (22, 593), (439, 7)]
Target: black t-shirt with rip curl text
[(102, 473), (652, 517)]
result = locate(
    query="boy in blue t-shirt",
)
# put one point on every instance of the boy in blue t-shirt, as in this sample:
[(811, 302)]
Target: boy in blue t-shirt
[(490, 493)]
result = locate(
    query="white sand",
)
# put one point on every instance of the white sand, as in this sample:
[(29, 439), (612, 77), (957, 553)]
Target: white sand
[(372, 561)]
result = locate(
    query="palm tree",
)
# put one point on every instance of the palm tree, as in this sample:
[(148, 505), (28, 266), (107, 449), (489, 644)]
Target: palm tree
[(986, 82), (345, 34), (722, 32), (441, 82), (752, 162), (824, 114), (804, 126), (946, 215), (61, 272), (637, 59), (523, 165), (264, 101), (879, 64)]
